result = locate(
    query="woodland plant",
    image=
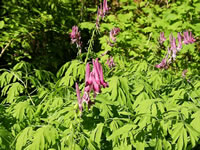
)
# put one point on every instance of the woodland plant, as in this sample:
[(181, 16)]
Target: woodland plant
[(132, 103), (93, 81), (186, 38), (76, 37)]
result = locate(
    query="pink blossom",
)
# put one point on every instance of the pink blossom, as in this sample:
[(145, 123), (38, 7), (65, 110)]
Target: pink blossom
[(76, 37), (87, 75), (94, 80), (162, 65), (79, 98), (188, 39), (113, 33), (179, 47), (173, 46), (101, 12), (105, 7), (184, 73), (110, 62), (162, 38)]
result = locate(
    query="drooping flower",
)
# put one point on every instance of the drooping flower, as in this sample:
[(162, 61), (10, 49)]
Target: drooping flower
[(191, 38), (162, 38), (179, 47), (162, 65), (184, 73), (94, 80), (110, 62), (79, 98), (105, 7), (113, 33), (76, 37), (101, 12), (173, 46), (188, 39)]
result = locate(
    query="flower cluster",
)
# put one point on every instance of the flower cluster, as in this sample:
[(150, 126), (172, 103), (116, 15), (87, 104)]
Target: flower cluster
[(186, 38), (113, 33), (94, 80), (162, 38), (102, 10), (76, 37), (110, 62), (184, 73)]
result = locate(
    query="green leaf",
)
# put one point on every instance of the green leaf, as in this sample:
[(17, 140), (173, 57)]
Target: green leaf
[(23, 109), (87, 25), (177, 130), (194, 135), (96, 134), (12, 90), (6, 138), (140, 146), (196, 121), (1, 24), (23, 137), (125, 129)]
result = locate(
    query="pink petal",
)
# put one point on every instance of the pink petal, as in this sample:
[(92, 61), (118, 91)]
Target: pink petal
[(87, 74), (79, 98)]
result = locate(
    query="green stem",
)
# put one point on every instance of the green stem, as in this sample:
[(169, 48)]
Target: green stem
[(90, 45)]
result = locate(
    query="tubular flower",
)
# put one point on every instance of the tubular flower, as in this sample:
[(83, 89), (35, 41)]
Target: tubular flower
[(101, 12), (162, 38), (93, 82), (105, 7), (110, 62), (113, 33), (179, 47), (76, 37), (79, 98), (184, 73), (188, 39), (173, 46), (162, 65)]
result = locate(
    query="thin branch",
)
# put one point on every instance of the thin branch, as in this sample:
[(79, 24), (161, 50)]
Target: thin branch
[(3, 49)]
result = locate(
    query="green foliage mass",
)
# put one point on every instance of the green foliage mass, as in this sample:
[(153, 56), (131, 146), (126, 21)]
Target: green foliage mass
[(143, 107)]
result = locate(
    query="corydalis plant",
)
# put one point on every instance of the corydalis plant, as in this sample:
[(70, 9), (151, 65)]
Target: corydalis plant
[(76, 37), (101, 12), (186, 38), (94, 80), (162, 38), (110, 62), (113, 33)]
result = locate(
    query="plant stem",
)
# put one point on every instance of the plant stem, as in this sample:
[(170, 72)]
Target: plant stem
[(91, 41)]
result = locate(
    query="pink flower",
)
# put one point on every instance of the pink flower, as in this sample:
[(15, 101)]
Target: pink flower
[(101, 12), (105, 7), (184, 73), (93, 82), (113, 33), (87, 75), (110, 62), (173, 46), (75, 36), (191, 38), (79, 98), (162, 38), (188, 39), (95, 77), (179, 47), (162, 65)]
